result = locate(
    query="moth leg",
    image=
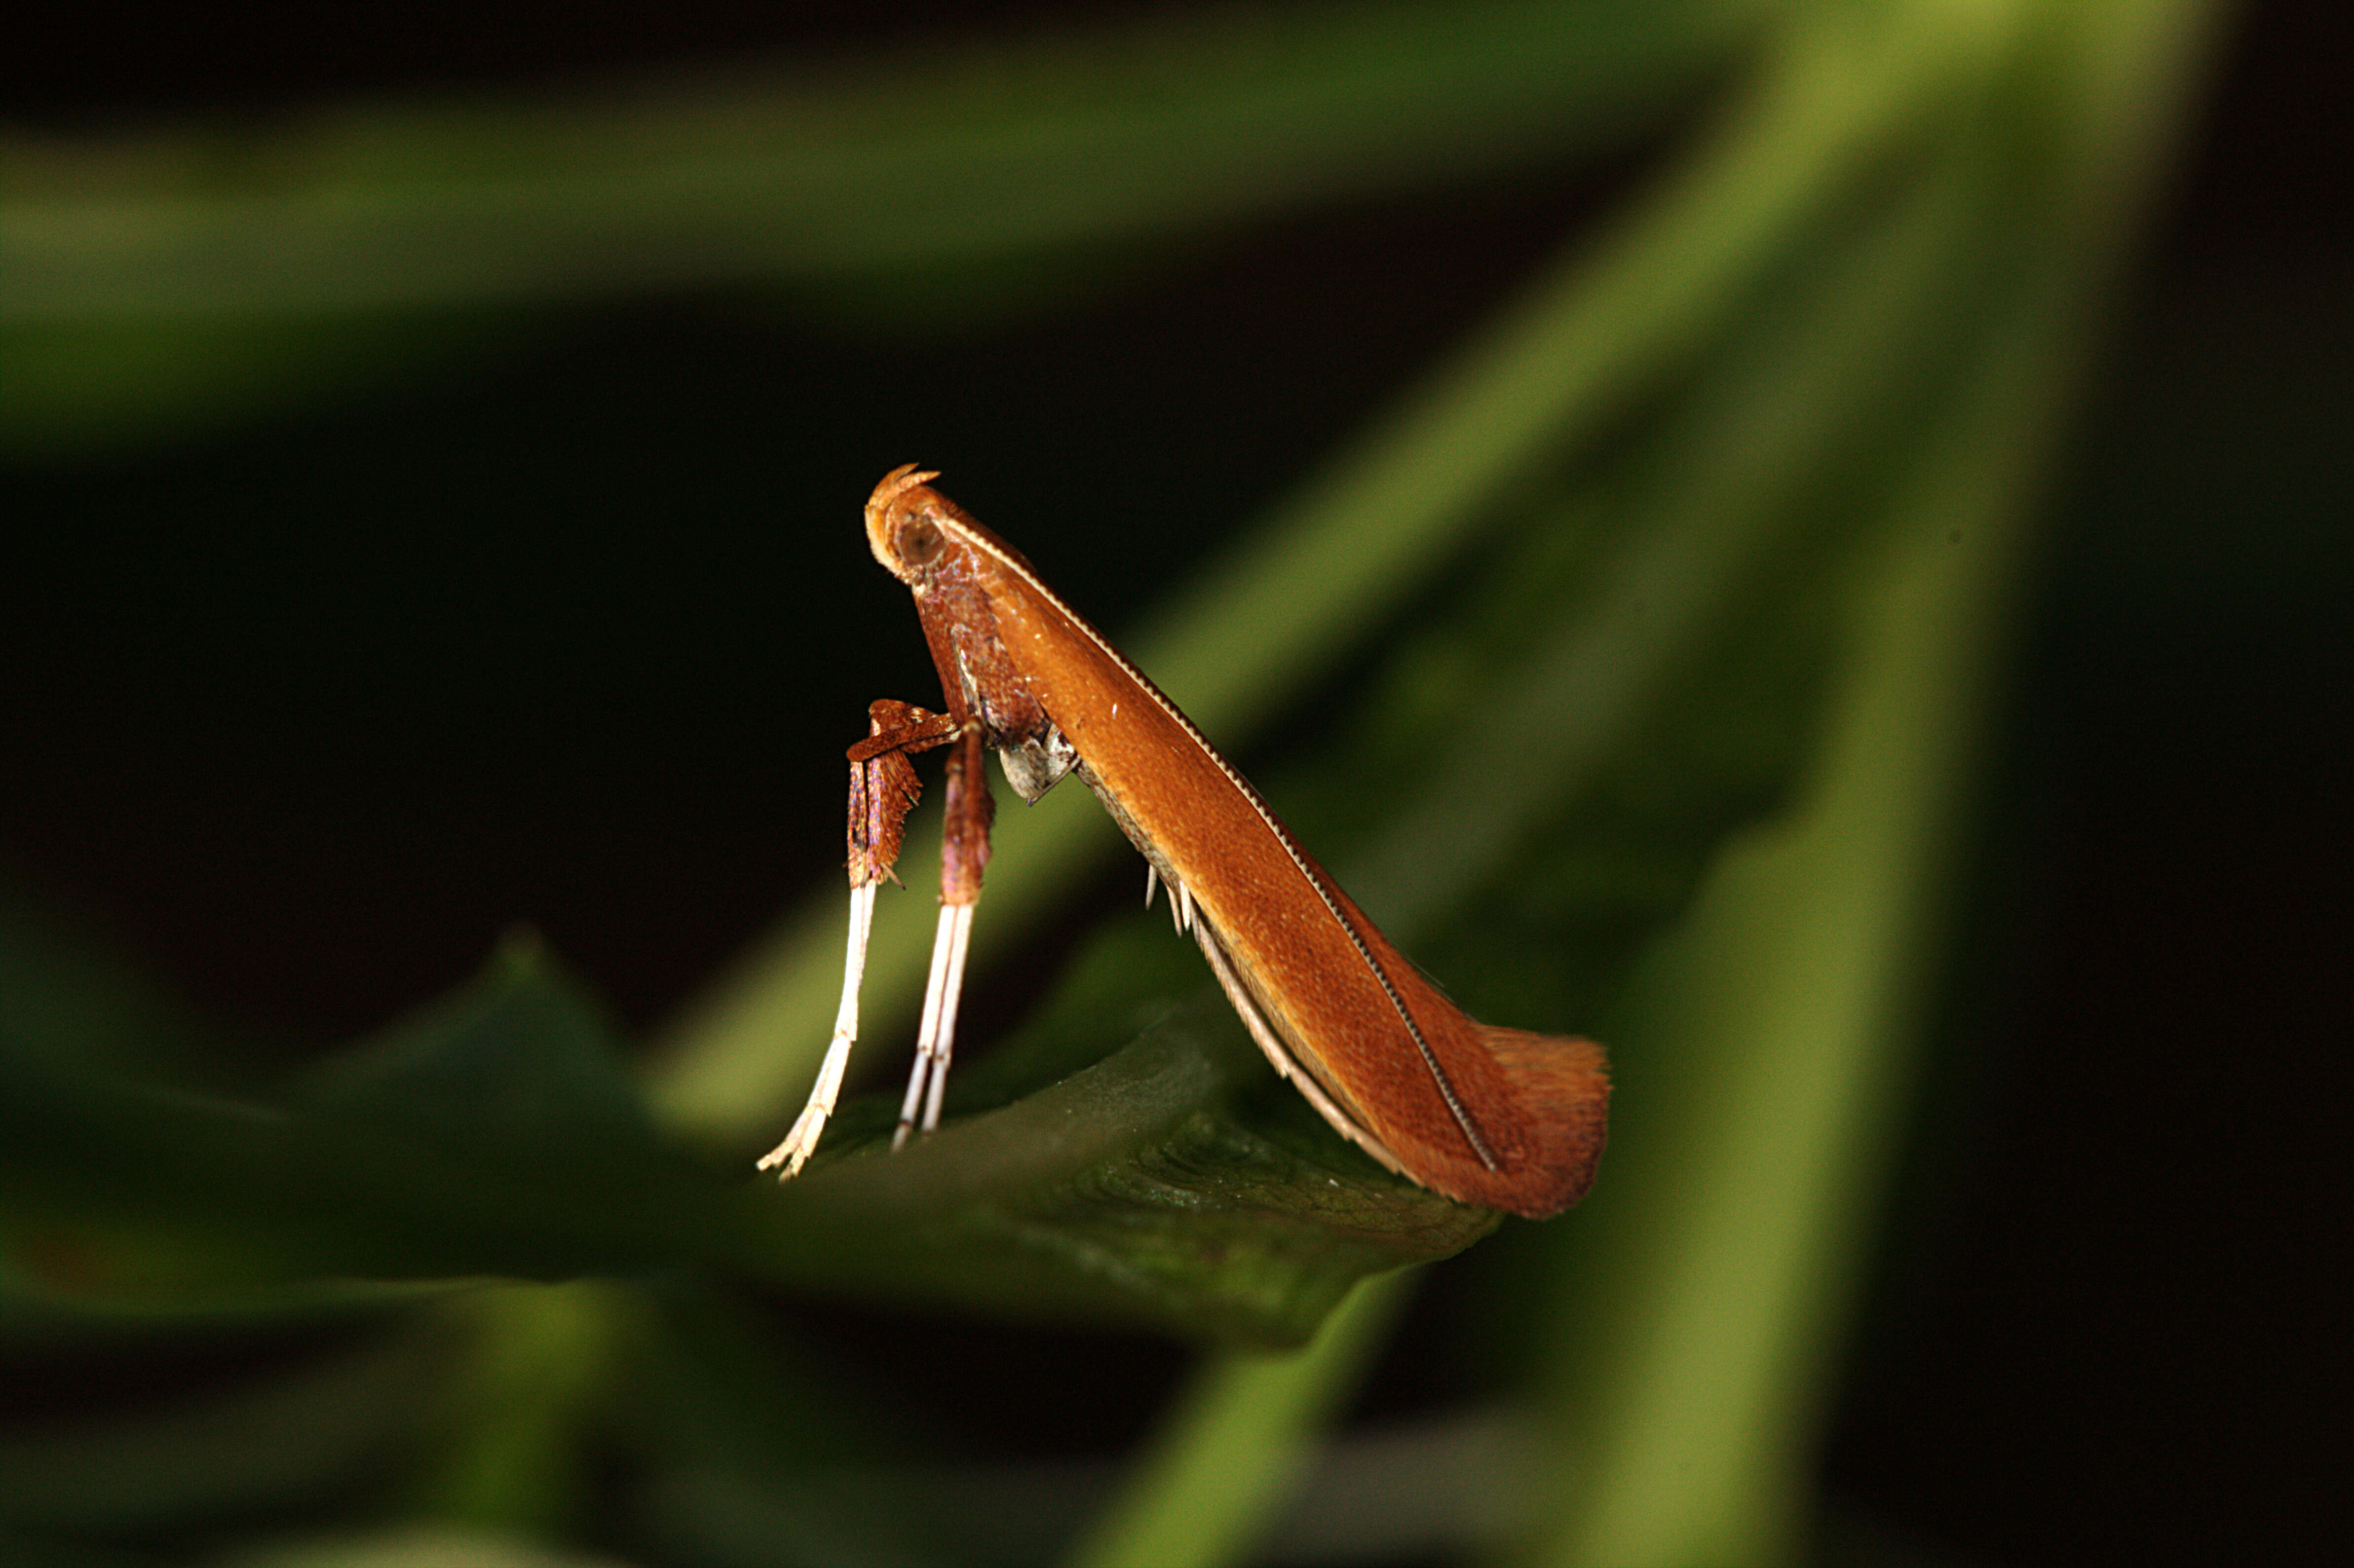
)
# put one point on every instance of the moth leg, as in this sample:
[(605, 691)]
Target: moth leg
[(802, 1141), (883, 790), (964, 851), (928, 1080)]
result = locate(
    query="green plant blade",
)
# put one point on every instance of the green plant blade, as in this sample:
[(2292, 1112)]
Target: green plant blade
[(498, 1135), (1237, 1440), (948, 159), (157, 283), (1765, 1045)]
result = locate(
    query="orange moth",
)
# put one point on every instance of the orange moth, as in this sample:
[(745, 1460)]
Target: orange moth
[(1486, 1115)]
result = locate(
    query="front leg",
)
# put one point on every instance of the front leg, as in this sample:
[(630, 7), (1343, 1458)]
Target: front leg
[(883, 790)]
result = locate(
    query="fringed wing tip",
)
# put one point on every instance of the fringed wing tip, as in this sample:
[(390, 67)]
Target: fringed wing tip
[(1562, 1088)]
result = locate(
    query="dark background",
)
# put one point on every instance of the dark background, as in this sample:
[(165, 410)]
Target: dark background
[(311, 773)]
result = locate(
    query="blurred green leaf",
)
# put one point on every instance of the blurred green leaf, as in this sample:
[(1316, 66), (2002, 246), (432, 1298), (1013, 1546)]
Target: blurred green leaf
[(961, 155), (269, 1440), (1235, 1442), (498, 1135), (1764, 1048), (418, 1546), (163, 283), (542, 1360), (75, 387)]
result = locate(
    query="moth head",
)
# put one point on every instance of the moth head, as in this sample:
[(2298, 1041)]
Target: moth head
[(903, 523)]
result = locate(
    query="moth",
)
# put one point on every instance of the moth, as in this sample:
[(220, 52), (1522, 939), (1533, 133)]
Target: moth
[(1486, 1115)]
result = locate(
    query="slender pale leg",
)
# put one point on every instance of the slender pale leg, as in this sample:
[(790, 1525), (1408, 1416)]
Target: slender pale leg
[(810, 1124), (936, 1040)]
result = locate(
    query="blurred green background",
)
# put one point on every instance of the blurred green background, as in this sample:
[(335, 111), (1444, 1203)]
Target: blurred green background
[(1803, 540)]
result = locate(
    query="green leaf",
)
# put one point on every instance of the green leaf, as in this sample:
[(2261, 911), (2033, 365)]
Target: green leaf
[(493, 1135), (1235, 1442), (498, 1135), (269, 1439), (1765, 1046), (974, 154), (160, 282), (1155, 1186), (416, 1546)]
